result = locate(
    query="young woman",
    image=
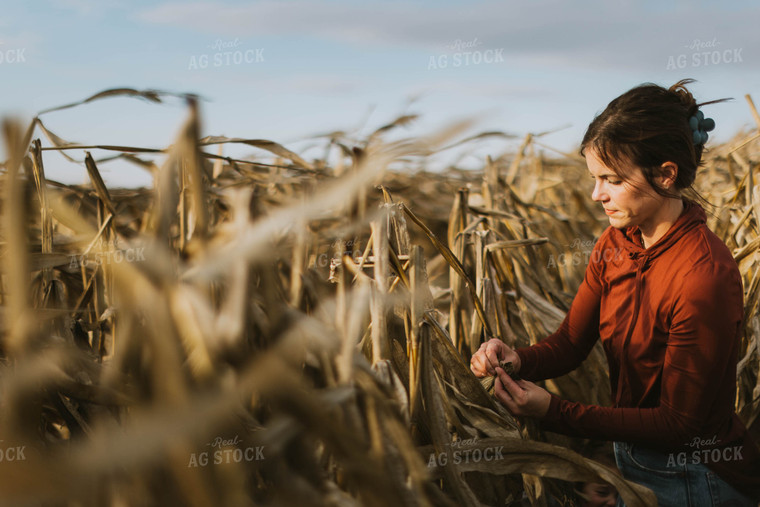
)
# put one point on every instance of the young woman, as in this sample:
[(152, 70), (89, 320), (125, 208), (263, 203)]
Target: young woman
[(597, 494), (669, 313)]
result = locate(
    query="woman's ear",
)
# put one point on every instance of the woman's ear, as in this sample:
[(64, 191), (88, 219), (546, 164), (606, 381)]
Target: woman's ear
[(668, 175)]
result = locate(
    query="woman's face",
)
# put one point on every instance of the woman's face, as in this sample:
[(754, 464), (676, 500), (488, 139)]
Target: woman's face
[(627, 203), (598, 495)]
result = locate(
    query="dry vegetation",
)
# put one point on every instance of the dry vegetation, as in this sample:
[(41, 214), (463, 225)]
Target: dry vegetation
[(305, 326)]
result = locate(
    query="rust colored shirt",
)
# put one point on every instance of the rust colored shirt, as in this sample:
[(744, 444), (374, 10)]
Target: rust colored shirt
[(670, 320)]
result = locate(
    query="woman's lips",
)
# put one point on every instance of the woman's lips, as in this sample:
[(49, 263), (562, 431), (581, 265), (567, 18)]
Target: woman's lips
[(610, 211)]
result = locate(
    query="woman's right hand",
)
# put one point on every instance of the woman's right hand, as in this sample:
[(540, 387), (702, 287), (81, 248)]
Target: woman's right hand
[(490, 355)]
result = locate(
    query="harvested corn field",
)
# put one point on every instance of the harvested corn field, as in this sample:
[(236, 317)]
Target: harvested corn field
[(279, 331)]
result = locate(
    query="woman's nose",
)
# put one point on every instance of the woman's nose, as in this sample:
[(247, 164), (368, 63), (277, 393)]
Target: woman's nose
[(597, 193)]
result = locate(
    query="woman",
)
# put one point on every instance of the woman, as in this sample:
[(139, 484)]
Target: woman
[(597, 494), (669, 313)]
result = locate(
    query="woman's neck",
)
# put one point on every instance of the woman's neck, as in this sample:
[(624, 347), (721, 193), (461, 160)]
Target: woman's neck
[(661, 221)]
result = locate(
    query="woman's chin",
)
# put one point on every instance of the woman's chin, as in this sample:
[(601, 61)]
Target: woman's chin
[(619, 222)]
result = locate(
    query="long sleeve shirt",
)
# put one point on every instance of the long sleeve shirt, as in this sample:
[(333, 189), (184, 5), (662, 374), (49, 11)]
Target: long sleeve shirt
[(670, 319)]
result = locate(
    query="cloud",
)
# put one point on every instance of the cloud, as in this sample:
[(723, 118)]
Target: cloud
[(479, 88), (25, 39), (88, 7), (323, 85), (551, 32), (278, 84)]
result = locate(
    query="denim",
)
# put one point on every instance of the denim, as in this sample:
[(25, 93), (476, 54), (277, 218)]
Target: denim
[(687, 485)]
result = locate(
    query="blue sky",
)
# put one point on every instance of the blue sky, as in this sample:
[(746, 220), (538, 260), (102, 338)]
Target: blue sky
[(316, 67)]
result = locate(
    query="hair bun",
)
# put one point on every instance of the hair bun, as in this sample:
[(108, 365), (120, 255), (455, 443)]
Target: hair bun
[(685, 96)]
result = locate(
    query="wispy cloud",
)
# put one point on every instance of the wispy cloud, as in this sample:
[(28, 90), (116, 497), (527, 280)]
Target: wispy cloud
[(12, 40), (88, 7), (324, 85), (555, 32), (487, 89)]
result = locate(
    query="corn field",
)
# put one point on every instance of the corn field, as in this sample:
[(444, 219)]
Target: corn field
[(279, 331)]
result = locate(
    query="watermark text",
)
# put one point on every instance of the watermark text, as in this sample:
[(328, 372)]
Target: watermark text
[(704, 53), (582, 253), (226, 53), (465, 55), (108, 257), (10, 454), (226, 452), (704, 452), (461, 452)]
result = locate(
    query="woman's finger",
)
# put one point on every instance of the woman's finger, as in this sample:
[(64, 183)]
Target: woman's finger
[(493, 356), (477, 365), (512, 388), (504, 397), (523, 384)]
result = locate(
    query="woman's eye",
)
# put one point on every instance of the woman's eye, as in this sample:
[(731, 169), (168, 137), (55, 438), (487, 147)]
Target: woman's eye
[(608, 180)]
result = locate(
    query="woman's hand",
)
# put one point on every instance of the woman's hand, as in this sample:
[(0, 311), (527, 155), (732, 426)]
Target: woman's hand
[(521, 397), (490, 354)]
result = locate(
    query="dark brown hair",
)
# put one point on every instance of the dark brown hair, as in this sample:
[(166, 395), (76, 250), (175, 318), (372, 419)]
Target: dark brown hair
[(648, 126)]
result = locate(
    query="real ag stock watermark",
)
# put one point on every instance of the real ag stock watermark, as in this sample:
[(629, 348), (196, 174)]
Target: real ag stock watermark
[(108, 257), (11, 55), (326, 257), (465, 53), (11, 453), (462, 451), (705, 451), (226, 53), (704, 53), (582, 253), (224, 452)]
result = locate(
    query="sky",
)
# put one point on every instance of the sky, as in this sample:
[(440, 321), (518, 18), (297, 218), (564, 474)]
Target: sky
[(289, 71)]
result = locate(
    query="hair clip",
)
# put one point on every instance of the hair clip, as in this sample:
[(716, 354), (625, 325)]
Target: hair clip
[(700, 126)]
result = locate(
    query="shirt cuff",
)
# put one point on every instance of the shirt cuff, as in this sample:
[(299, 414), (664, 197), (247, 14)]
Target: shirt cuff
[(552, 419), (553, 414)]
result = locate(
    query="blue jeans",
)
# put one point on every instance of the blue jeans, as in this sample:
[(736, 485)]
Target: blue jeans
[(686, 485)]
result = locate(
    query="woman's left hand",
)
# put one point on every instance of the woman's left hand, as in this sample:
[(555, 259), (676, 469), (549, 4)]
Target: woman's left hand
[(521, 397)]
